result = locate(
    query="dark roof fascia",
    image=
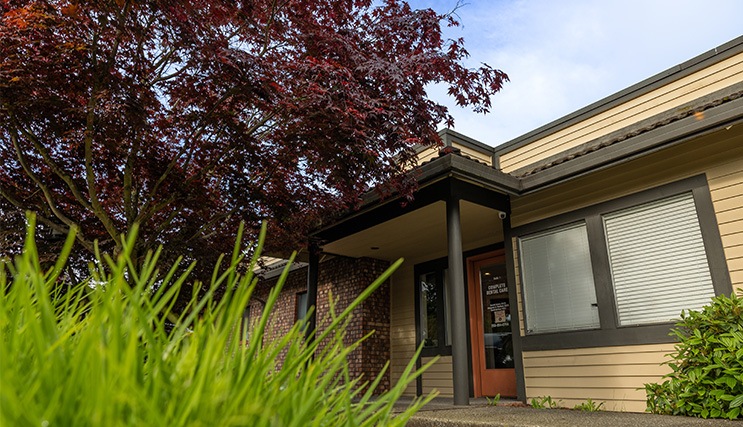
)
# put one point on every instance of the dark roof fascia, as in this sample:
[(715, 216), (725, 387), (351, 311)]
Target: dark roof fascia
[(677, 72), (722, 116), (429, 176), (456, 165), (484, 175), (696, 107)]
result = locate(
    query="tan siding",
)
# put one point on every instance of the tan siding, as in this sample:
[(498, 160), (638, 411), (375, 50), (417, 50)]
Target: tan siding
[(426, 154), (438, 377), (402, 323), (613, 375), (478, 155), (726, 184), (720, 149), (672, 95), (719, 156)]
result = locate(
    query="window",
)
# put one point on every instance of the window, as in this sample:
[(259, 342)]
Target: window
[(301, 307), (657, 258), (245, 325), (432, 307), (620, 272), (559, 293)]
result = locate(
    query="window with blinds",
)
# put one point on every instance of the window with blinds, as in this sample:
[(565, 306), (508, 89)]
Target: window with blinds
[(559, 292), (658, 261)]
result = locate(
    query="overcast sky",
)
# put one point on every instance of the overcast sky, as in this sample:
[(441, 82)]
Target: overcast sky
[(562, 55)]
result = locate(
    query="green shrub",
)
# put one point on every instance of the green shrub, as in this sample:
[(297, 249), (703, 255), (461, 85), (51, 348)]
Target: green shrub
[(707, 365), (105, 352)]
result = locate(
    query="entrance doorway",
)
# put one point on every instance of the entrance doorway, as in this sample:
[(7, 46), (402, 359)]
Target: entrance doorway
[(490, 326)]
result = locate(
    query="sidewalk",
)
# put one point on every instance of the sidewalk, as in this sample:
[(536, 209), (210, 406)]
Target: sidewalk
[(442, 413)]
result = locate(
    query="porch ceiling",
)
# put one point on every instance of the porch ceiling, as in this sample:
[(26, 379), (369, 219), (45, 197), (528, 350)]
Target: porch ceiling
[(421, 233)]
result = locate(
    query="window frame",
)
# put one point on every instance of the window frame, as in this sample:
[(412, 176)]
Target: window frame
[(438, 267), (610, 332), (523, 269), (297, 309)]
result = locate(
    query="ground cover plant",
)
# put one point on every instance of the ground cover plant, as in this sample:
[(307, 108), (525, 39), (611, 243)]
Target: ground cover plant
[(707, 364), (589, 406), (545, 402), (110, 351)]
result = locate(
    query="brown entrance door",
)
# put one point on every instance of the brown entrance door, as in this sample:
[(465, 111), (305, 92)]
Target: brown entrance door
[(490, 326)]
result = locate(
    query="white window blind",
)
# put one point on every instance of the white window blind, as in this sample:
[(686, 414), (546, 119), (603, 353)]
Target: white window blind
[(559, 292), (658, 262)]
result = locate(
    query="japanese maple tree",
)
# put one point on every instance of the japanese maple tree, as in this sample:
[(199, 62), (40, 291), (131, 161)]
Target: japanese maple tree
[(188, 116)]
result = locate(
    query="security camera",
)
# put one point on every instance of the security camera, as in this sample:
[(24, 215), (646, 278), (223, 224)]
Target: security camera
[(502, 215)]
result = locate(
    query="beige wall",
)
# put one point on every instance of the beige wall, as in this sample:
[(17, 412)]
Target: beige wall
[(474, 154), (402, 323), (674, 94), (613, 374), (438, 377), (426, 154), (718, 155), (610, 374), (432, 152), (402, 335)]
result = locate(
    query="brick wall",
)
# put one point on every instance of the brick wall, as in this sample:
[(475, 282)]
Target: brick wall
[(344, 278)]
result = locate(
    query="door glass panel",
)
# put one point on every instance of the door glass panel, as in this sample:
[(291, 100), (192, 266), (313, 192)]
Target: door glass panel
[(496, 317), (429, 294), (447, 307)]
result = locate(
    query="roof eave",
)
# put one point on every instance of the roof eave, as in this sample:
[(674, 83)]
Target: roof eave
[(723, 116)]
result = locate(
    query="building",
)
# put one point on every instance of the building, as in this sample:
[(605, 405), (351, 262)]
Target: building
[(556, 263)]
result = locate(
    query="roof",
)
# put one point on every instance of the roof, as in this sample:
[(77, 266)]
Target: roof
[(719, 110), (695, 108), (650, 84)]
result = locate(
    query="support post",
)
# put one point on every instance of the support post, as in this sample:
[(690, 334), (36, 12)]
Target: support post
[(513, 301), (312, 278), (459, 353)]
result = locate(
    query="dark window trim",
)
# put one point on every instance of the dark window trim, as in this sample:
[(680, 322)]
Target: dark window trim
[(438, 266), (442, 264), (611, 334)]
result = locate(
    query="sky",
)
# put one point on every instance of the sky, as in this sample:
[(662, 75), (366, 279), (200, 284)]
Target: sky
[(562, 55)]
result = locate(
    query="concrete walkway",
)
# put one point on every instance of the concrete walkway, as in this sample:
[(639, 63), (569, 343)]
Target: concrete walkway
[(442, 413)]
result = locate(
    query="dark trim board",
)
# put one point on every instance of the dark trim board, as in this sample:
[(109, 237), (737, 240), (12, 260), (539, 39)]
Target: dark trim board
[(518, 345), (439, 266), (437, 191), (635, 335), (610, 332)]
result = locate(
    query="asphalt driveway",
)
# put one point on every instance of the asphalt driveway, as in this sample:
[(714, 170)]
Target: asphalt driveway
[(441, 413)]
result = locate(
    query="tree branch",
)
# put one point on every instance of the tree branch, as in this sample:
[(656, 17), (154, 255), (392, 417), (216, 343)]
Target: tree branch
[(45, 190), (47, 158)]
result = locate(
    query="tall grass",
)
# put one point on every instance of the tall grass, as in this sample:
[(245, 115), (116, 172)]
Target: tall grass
[(104, 352)]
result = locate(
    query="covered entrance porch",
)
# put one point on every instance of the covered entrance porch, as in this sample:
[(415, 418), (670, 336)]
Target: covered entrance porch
[(456, 288)]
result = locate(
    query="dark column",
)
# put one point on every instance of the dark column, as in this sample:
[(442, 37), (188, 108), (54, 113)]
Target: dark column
[(459, 353), (312, 275)]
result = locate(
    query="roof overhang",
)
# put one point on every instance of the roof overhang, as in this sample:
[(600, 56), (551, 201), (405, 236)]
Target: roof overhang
[(455, 177), (438, 180), (725, 115)]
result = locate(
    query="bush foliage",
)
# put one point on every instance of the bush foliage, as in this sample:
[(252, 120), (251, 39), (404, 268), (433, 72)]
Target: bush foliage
[(105, 352), (707, 377)]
